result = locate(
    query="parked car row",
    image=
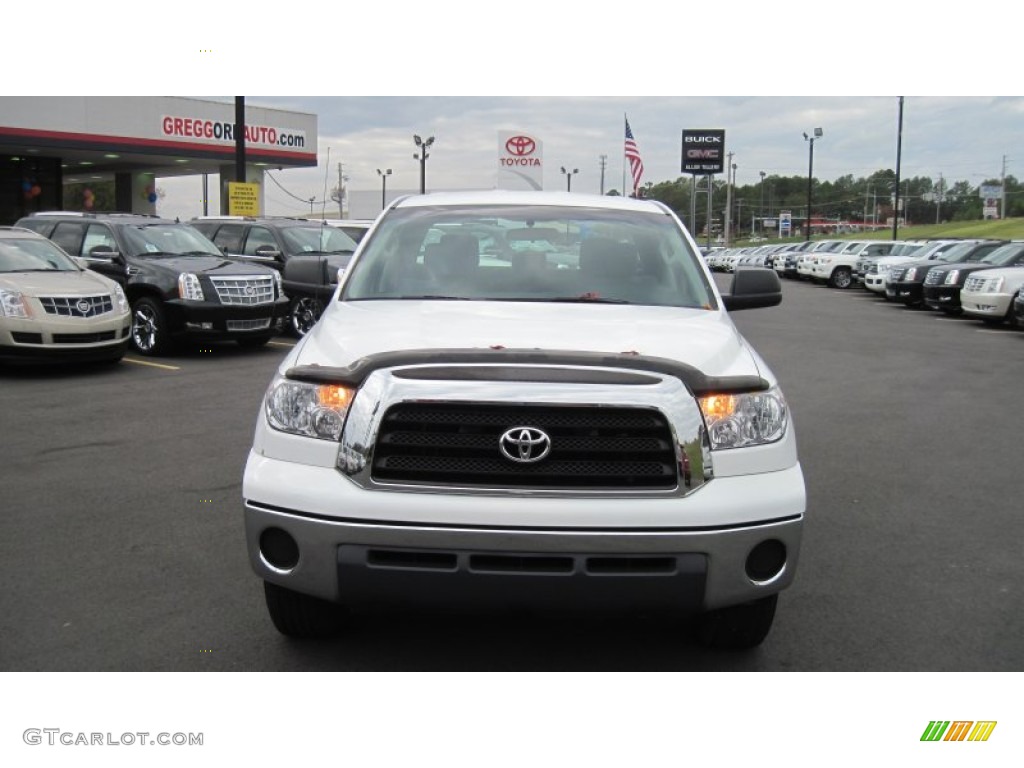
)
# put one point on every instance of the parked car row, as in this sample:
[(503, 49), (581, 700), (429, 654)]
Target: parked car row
[(154, 281), (975, 277)]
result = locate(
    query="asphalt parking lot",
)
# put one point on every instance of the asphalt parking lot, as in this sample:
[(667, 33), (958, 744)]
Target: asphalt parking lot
[(122, 545)]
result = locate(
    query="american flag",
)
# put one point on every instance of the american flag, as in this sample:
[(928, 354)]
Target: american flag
[(636, 164)]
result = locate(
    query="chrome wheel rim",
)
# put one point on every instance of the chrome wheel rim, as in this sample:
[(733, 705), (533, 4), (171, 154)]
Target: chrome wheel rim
[(842, 279), (304, 315), (144, 329)]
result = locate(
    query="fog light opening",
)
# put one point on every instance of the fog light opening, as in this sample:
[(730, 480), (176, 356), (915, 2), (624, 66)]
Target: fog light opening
[(278, 549), (766, 561)]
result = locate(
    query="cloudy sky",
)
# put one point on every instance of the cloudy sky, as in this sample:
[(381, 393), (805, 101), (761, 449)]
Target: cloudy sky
[(567, 71), (962, 138)]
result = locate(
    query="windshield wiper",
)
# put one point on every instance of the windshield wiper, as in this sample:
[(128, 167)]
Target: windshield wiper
[(586, 298)]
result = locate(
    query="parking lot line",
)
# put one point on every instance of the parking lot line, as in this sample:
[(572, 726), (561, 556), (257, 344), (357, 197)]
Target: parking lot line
[(153, 365), (281, 343)]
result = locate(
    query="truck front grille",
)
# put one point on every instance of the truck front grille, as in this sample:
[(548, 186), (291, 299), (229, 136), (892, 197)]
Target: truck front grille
[(244, 290), (458, 444), (934, 278)]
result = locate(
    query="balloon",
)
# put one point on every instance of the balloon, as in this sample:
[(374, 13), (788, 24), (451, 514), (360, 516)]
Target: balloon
[(36, 190), (152, 197), (87, 202), (27, 186)]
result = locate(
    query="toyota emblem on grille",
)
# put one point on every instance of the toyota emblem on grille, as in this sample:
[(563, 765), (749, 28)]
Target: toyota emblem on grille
[(525, 445), (250, 291), (84, 306)]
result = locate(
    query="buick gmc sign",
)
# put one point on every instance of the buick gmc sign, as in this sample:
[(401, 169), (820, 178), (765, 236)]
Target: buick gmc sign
[(703, 152)]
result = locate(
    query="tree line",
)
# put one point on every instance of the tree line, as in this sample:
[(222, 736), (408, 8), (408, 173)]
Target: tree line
[(923, 200)]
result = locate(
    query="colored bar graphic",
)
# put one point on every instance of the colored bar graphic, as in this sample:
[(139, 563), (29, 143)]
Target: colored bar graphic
[(961, 730), (982, 730), (935, 730)]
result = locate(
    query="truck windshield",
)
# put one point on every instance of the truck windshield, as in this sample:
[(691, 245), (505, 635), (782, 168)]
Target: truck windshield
[(530, 253)]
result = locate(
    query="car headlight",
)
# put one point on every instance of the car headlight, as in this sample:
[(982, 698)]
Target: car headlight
[(12, 304), (994, 284), (311, 410), (952, 277), (910, 274), (739, 421), (189, 287), (279, 284), (119, 299)]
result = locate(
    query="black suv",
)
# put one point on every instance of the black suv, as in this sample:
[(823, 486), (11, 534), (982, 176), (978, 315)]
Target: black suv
[(272, 241), (177, 282), (308, 252)]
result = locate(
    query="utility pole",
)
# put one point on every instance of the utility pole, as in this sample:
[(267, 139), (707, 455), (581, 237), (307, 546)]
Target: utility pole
[(730, 171), (896, 199), (604, 164), (938, 200), (1002, 199)]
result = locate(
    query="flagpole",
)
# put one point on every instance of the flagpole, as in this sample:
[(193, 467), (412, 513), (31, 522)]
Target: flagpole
[(625, 160)]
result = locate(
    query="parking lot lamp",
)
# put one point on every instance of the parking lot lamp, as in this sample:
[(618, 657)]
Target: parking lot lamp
[(568, 177), (818, 133), (383, 187), (422, 156)]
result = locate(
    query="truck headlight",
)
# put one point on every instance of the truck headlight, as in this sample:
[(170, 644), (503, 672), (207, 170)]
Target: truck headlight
[(189, 287), (994, 284), (952, 277), (12, 304), (910, 274), (739, 421), (279, 284), (311, 410)]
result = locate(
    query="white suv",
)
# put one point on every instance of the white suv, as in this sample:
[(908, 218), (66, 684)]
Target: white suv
[(590, 431)]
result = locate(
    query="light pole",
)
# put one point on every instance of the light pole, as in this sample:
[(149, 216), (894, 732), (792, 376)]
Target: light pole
[(818, 133), (422, 156), (383, 187), (568, 177), (762, 205)]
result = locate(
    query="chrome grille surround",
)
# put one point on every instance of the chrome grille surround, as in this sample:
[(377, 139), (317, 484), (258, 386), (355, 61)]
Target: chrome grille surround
[(245, 290), (71, 306), (667, 400)]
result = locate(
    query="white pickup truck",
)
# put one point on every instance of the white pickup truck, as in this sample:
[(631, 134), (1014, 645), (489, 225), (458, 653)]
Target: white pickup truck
[(527, 398)]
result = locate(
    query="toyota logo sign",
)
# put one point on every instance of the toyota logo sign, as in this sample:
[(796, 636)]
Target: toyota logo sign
[(525, 445), (520, 146)]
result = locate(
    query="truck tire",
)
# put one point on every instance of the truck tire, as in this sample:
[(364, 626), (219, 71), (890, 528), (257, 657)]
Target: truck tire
[(738, 627), (302, 616)]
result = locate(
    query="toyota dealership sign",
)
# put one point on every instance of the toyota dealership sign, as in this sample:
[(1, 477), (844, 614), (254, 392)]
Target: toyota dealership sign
[(520, 161)]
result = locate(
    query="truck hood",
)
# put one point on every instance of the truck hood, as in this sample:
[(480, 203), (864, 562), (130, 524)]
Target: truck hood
[(705, 339)]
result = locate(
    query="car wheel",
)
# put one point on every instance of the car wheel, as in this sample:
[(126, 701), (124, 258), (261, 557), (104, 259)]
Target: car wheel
[(841, 278), (303, 315), (737, 627), (253, 342), (149, 327), (1011, 316), (302, 616)]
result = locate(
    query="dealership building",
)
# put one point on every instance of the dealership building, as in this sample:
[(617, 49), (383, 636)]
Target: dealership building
[(54, 150)]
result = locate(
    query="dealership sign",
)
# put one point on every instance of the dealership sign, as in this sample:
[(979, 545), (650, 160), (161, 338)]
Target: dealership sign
[(703, 152), (204, 130), (520, 161)]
